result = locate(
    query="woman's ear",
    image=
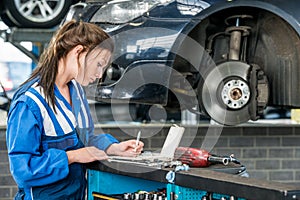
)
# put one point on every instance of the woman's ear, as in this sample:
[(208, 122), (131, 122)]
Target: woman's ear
[(78, 49)]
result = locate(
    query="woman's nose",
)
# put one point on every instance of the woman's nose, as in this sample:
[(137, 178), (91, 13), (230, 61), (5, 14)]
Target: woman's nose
[(98, 75), (99, 72)]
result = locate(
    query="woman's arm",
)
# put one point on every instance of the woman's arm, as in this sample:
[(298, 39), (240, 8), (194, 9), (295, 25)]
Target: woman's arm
[(29, 166), (86, 155)]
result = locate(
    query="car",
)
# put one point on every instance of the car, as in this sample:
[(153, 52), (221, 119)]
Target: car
[(34, 14), (225, 59)]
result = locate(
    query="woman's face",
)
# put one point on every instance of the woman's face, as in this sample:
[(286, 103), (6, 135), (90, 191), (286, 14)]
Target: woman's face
[(93, 66)]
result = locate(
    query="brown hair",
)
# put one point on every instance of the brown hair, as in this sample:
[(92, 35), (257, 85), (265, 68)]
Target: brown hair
[(66, 38)]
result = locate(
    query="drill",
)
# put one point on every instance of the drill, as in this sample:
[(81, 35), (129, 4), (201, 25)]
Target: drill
[(201, 158)]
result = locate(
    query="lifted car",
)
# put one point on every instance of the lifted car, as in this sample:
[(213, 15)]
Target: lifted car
[(227, 59)]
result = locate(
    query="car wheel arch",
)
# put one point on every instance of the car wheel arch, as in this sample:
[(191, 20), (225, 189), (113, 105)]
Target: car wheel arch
[(288, 29), (194, 25)]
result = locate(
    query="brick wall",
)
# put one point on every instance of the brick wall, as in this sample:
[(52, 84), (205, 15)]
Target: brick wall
[(7, 185), (269, 152)]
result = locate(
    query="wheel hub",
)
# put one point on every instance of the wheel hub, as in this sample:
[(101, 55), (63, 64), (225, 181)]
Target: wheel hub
[(235, 93)]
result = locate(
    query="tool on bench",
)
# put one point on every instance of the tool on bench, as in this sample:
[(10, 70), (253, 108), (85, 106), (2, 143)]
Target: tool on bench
[(201, 158)]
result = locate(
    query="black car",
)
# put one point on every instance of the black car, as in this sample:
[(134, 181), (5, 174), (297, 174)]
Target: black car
[(34, 13), (227, 59)]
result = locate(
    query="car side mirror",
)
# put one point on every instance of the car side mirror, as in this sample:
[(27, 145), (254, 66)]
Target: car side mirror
[(4, 99)]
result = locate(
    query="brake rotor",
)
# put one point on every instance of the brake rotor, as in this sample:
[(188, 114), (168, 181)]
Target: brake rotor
[(226, 93)]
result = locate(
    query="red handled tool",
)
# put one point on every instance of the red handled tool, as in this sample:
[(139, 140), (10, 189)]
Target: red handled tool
[(201, 158)]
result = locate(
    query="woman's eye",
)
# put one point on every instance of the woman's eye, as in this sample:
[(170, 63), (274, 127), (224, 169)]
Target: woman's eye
[(99, 65)]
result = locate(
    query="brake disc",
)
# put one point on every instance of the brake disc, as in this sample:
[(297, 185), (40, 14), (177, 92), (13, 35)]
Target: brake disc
[(226, 93)]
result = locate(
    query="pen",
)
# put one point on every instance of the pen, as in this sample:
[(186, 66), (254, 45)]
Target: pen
[(137, 139)]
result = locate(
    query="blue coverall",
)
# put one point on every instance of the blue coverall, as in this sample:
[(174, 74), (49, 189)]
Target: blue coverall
[(38, 138)]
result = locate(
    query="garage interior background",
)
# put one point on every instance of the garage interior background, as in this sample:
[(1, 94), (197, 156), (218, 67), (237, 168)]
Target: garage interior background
[(269, 151)]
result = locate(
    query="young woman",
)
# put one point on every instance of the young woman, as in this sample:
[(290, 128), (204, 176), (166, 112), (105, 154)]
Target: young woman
[(50, 132)]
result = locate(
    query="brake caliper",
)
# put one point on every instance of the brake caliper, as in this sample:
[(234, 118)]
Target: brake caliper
[(260, 91)]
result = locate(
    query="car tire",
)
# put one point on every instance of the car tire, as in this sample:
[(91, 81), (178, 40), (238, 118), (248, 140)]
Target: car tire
[(7, 20), (36, 15)]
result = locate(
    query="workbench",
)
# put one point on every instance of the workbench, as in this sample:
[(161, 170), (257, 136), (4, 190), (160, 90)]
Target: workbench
[(118, 178)]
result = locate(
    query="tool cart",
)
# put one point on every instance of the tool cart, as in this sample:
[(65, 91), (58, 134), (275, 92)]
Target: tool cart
[(121, 180)]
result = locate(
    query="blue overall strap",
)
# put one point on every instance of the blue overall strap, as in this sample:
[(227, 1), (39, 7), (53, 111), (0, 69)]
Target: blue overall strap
[(85, 122), (56, 122)]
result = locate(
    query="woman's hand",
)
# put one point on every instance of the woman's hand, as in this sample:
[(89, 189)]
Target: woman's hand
[(86, 155), (126, 148)]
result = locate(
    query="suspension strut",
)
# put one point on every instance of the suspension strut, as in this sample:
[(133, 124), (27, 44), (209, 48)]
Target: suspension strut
[(238, 34)]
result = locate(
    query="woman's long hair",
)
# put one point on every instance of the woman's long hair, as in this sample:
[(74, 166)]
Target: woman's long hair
[(66, 38)]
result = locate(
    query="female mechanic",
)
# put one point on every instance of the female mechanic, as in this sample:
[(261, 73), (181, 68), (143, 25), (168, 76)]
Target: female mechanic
[(50, 132)]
